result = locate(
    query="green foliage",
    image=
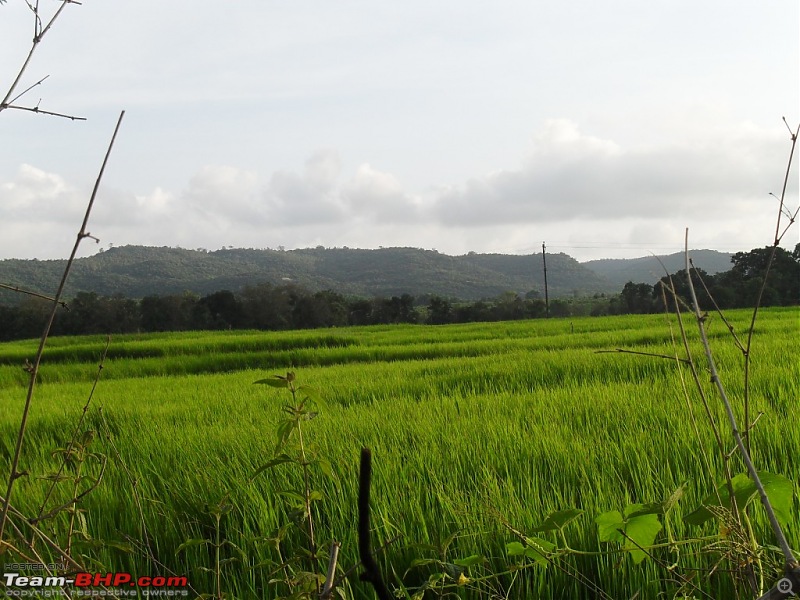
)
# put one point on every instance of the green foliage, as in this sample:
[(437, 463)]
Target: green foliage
[(138, 271), (779, 489), (635, 529)]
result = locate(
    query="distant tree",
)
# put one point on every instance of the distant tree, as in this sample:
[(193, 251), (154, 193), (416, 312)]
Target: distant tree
[(637, 298), (265, 306), (321, 309), (220, 310), (440, 311), (168, 313)]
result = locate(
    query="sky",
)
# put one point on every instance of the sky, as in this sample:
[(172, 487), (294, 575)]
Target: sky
[(603, 129)]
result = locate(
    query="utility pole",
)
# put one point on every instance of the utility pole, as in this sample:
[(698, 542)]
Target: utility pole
[(546, 298)]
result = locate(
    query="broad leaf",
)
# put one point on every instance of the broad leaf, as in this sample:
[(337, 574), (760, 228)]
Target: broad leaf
[(469, 560), (779, 490), (558, 519), (642, 531), (536, 549), (639, 527), (608, 525), (275, 381)]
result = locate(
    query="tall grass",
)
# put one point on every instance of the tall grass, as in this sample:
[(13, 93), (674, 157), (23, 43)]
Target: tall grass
[(465, 422)]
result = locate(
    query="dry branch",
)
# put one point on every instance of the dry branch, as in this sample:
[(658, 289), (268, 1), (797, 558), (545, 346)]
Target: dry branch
[(14, 474)]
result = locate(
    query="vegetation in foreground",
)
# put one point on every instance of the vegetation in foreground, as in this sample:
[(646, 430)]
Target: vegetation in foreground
[(473, 428)]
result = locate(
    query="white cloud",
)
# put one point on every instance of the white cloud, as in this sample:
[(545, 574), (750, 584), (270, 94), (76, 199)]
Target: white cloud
[(35, 195), (570, 176), (379, 196), (309, 197)]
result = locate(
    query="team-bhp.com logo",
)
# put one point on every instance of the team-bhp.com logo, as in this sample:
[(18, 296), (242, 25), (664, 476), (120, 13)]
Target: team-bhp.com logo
[(93, 584)]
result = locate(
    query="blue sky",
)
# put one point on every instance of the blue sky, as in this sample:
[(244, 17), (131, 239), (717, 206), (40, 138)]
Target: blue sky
[(604, 128)]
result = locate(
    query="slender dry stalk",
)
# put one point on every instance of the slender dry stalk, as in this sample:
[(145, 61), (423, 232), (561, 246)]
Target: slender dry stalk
[(776, 242), (75, 433), (14, 474), (39, 31), (791, 561), (19, 290)]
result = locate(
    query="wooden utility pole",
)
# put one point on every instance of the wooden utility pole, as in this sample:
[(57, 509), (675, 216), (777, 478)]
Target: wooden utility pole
[(546, 298)]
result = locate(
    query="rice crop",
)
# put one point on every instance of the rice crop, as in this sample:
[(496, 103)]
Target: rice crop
[(471, 427)]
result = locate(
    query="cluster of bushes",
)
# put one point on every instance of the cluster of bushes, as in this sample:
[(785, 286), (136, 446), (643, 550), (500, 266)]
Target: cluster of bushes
[(736, 288)]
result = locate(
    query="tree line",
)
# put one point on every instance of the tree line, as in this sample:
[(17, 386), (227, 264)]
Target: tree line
[(277, 307)]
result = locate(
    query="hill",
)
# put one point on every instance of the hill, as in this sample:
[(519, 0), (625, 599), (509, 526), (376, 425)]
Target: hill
[(138, 271), (648, 270)]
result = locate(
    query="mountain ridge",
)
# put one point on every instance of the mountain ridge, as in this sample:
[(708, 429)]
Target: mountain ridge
[(138, 271)]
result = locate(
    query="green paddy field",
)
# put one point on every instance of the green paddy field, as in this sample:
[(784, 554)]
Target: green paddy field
[(472, 428)]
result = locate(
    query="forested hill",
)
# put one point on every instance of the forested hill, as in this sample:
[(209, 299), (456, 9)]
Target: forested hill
[(138, 271), (648, 269)]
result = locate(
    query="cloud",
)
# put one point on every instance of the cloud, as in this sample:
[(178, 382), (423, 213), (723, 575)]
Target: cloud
[(309, 197), (223, 193), (569, 175), (379, 196), (35, 195), (585, 195)]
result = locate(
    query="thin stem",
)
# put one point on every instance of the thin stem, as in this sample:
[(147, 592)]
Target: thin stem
[(38, 35), (19, 290), (751, 470), (78, 427), (776, 242), (43, 340)]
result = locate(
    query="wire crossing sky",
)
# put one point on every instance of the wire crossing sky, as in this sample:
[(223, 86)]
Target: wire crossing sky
[(604, 128)]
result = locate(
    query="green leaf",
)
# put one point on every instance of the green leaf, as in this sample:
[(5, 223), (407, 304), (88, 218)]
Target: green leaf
[(117, 545), (779, 489), (642, 531), (295, 499), (315, 496), (56, 477), (515, 549), (608, 525), (275, 381), (640, 527), (780, 492), (325, 467), (421, 562), (190, 544), (469, 561), (285, 431), (558, 519), (651, 508), (448, 540), (536, 549), (310, 393), (278, 460)]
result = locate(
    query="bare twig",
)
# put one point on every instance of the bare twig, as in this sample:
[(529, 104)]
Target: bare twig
[(72, 501), (19, 290), (14, 474), (39, 33), (36, 109), (623, 351), (751, 470), (28, 89), (776, 242), (74, 437)]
